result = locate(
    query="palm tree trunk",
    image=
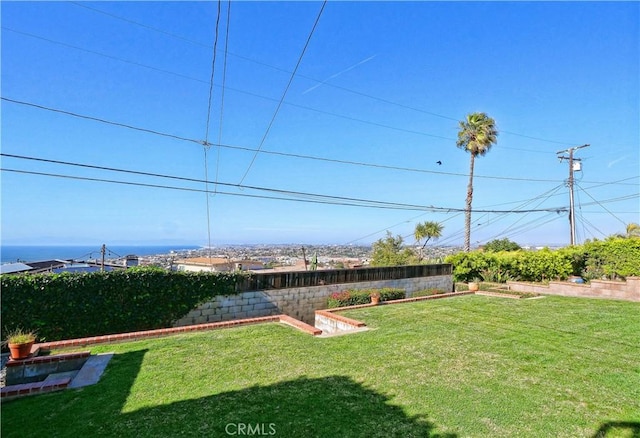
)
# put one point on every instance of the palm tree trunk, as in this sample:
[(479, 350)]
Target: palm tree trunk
[(467, 219)]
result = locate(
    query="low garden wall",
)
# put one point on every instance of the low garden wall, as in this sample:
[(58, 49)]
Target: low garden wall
[(298, 302), (622, 290)]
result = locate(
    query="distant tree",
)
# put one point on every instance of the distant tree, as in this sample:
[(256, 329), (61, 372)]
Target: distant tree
[(477, 134), (389, 251), (501, 245), (427, 230), (633, 230)]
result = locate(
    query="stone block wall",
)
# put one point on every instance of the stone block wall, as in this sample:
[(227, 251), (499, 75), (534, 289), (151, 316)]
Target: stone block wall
[(622, 290), (299, 303), (330, 323)]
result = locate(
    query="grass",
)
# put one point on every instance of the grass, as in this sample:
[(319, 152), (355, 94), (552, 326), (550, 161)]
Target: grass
[(471, 366)]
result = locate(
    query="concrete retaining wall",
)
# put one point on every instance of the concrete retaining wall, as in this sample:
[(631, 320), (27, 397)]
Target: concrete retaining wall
[(299, 303), (621, 290)]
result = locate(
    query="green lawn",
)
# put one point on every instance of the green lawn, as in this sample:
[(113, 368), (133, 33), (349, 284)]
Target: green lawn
[(468, 366)]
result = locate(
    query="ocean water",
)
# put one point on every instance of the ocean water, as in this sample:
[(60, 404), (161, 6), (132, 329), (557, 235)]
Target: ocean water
[(14, 253)]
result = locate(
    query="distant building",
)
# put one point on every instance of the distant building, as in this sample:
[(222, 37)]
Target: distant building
[(216, 264), (32, 267), (131, 261), (84, 268), (14, 268), (57, 267)]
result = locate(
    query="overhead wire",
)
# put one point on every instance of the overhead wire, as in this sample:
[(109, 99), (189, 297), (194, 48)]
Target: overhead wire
[(600, 204), (302, 106), (379, 99), (544, 197), (585, 221), (486, 224), (243, 148), (224, 87), (330, 113), (283, 70), (93, 52), (258, 150), (286, 89), (401, 206), (205, 143), (97, 119), (292, 155), (333, 200)]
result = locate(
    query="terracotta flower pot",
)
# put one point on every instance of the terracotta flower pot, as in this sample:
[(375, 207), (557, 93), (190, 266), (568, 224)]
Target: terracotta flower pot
[(473, 286), (375, 300), (20, 351)]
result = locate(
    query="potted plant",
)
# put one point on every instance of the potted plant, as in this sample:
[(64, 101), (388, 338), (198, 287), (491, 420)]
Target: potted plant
[(20, 342), (375, 297), (474, 285)]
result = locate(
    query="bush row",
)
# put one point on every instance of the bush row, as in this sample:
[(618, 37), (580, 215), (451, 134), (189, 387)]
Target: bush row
[(428, 292), (353, 297), (67, 306), (613, 258)]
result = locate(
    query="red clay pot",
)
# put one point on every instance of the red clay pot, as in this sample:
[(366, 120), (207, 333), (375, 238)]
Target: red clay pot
[(20, 351)]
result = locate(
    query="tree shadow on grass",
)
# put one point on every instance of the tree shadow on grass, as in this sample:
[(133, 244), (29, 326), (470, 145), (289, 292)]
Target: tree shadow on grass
[(333, 406), (630, 429)]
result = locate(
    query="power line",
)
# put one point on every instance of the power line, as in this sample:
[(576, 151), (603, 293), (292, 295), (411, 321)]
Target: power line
[(336, 200), (97, 119), (313, 196), (224, 83), (242, 148), (93, 52), (600, 204), (379, 99), (213, 69), (279, 69), (342, 116), (550, 193), (286, 89), (292, 155), (206, 136)]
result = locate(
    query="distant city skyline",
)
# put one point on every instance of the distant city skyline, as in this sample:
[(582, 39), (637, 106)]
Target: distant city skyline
[(105, 108)]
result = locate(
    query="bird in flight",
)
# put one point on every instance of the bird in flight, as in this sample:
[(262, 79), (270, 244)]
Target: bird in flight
[(439, 163)]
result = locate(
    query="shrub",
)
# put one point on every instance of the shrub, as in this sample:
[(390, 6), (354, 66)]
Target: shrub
[(544, 265), (467, 265), (67, 306), (613, 258), (498, 245), (501, 266), (354, 297), (427, 292), (388, 294), (348, 298), (391, 252)]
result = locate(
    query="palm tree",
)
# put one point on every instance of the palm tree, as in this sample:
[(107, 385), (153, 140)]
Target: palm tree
[(477, 134), (427, 230), (633, 230)]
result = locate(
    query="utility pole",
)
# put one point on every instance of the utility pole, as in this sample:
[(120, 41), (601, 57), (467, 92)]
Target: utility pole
[(103, 252), (304, 256), (574, 164)]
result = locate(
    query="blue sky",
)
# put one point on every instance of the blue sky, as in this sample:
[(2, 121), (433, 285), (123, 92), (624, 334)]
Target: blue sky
[(373, 106)]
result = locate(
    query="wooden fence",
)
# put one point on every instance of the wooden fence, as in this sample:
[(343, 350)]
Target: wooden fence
[(285, 280)]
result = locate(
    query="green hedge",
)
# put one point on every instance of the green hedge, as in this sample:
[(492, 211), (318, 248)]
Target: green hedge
[(67, 306), (613, 258), (428, 292), (354, 297)]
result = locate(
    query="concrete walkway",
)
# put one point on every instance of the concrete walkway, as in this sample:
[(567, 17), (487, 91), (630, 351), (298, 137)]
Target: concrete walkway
[(91, 371)]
